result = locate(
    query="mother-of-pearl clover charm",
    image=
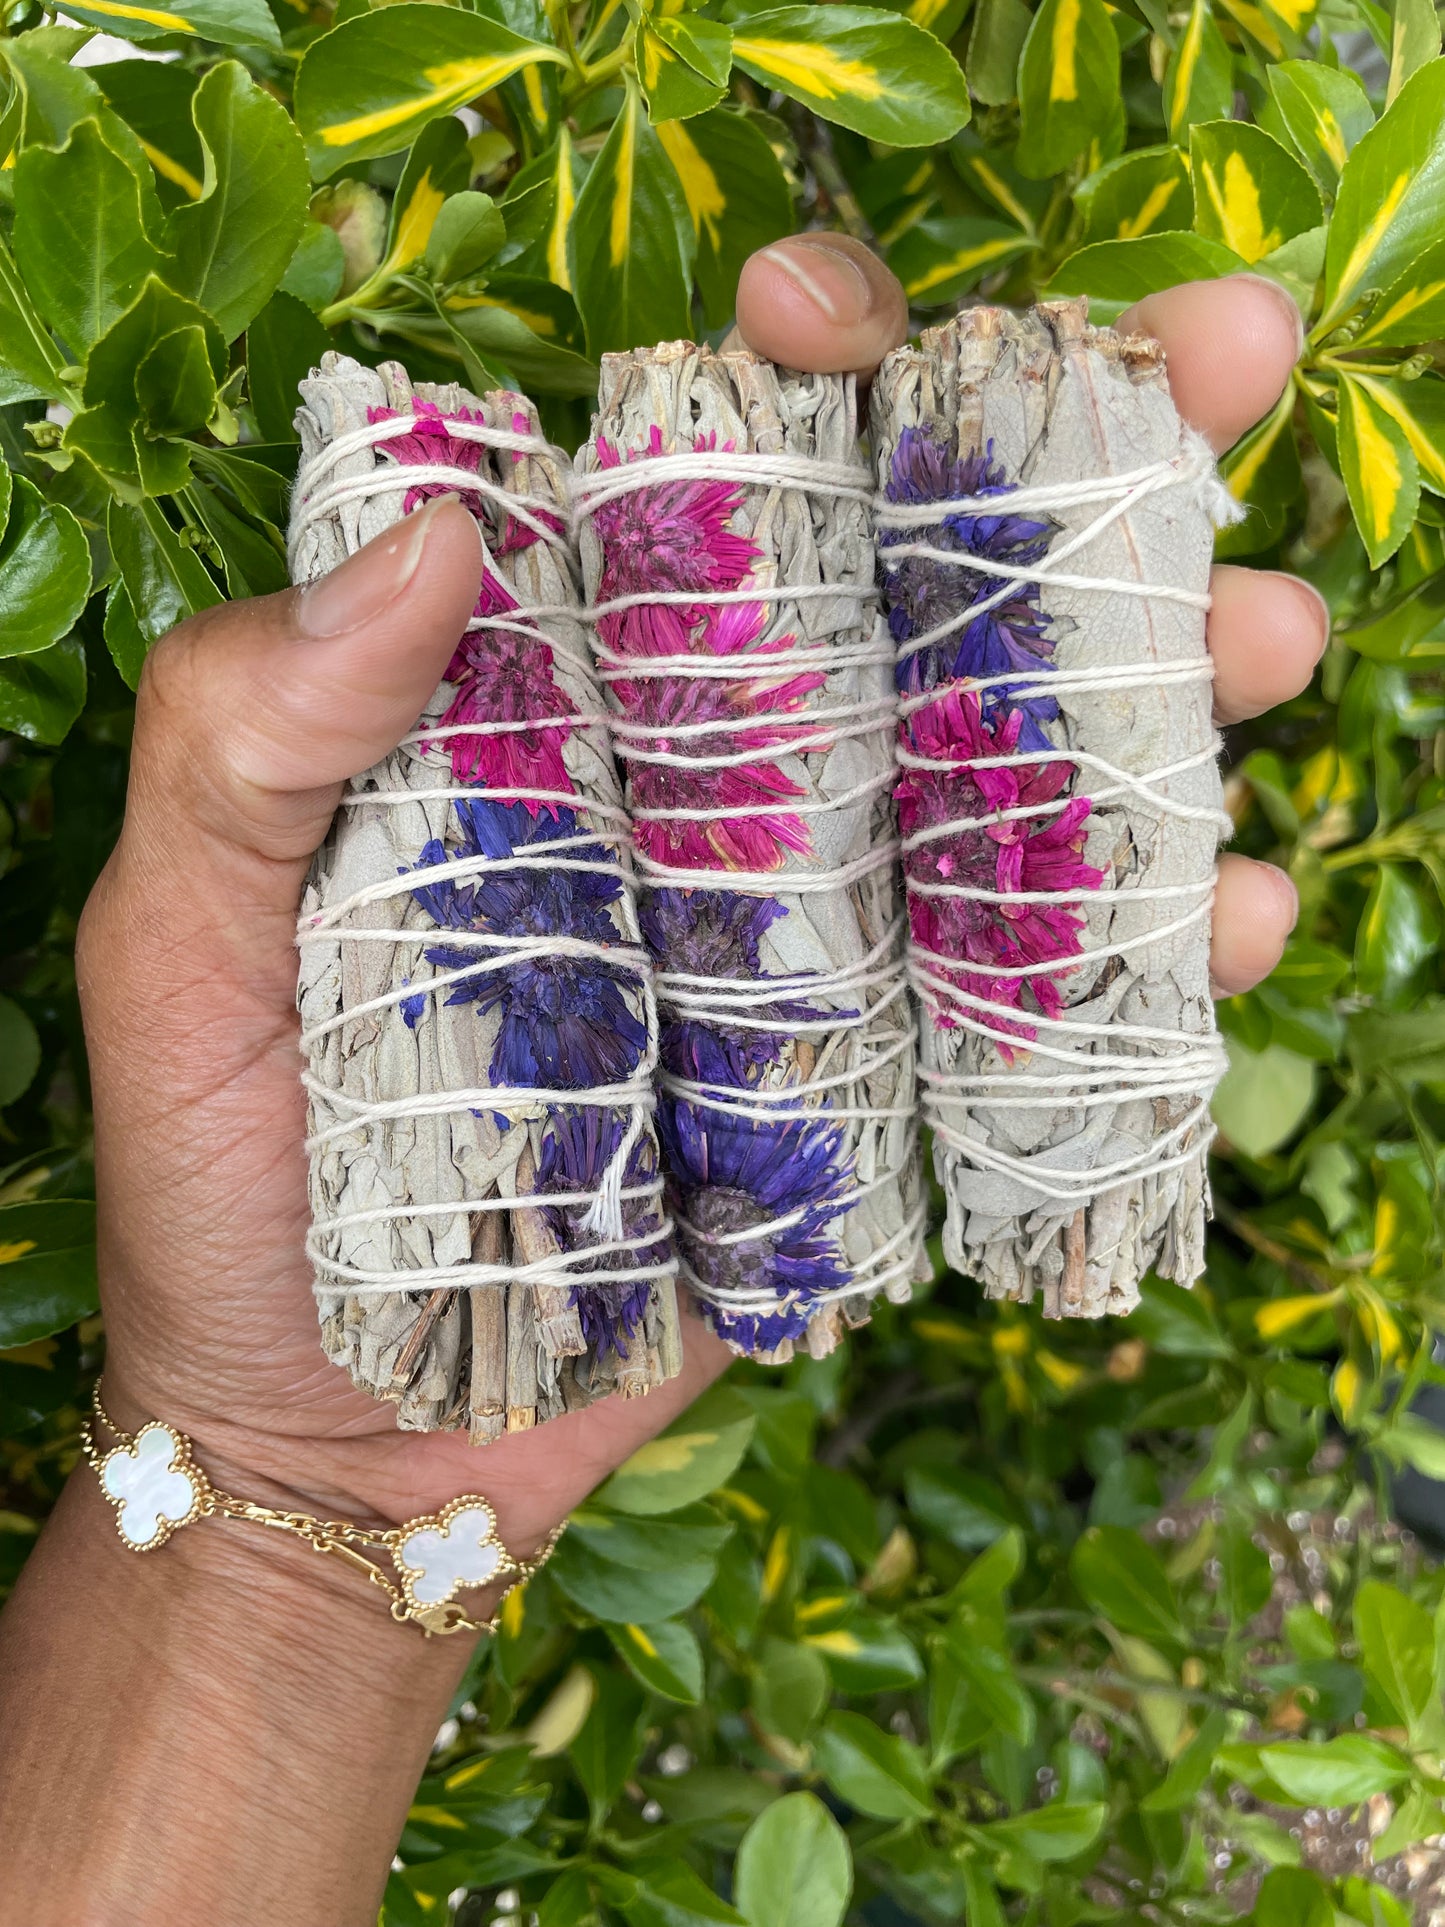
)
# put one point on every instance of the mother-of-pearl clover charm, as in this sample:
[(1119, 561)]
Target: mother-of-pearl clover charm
[(153, 1486), (437, 1556)]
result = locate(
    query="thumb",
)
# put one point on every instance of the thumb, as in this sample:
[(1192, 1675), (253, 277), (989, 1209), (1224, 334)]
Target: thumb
[(251, 716)]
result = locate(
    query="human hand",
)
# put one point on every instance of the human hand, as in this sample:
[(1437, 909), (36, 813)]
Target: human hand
[(250, 720)]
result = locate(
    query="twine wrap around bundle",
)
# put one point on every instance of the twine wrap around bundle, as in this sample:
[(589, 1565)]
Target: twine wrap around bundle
[(722, 515), (478, 1020), (1045, 526)]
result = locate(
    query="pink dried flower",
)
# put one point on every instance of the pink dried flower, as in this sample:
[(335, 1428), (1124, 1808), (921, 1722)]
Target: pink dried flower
[(666, 538), (431, 444), (754, 704), (1022, 854)]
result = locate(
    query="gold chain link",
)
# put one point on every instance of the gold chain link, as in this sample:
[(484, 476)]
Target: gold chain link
[(338, 1538)]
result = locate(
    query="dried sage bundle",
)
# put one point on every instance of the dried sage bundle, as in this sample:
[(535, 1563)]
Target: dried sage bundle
[(723, 524), (488, 1235), (1045, 528)]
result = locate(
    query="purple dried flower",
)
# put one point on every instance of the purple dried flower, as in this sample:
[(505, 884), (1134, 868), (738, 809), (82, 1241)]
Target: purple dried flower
[(577, 1149), (566, 1021), (924, 594)]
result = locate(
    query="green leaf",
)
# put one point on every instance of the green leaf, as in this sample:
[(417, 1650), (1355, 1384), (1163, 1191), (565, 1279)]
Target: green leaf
[(467, 232), (47, 1268), (736, 193), (283, 344), (991, 1684), (869, 1653), (1398, 932), (41, 695), (1119, 272), (1123, 1581), (606, 1751), (664, 1656), (233, 244), (153, 98), (940, 259), (683, 62), (231, 23), (370, 85), (112, 430), (670, 1894), (1068, 84), (1199, 80), (1000, 28), (1380, 469), (1263, 1098), (1325, 110), (1337, 1772), (696, 1454), (1410, 310), (44, 570), (874, 72), (538, 209), (789, 1689), (438, 165), (881, 1774), (966, 1508), (1397, 1644), (510, 324), (1291, 1897), (317, 267), (1249, 192), (613, 1593), (624, 250), (81, 237), (30, 362), (1262, 471), (1188, 1773), (1391, 203), (1059, 1831), (19, 1052), (794, 1868), (165, 581), (1146, 192)]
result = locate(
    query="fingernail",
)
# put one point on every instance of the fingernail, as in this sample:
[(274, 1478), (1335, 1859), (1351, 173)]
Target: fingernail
[(1286, 302), (831, 279), (1319, 616), (368, 582)]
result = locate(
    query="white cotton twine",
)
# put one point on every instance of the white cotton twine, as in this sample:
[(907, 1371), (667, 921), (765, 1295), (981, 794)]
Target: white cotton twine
[(338, 1115)]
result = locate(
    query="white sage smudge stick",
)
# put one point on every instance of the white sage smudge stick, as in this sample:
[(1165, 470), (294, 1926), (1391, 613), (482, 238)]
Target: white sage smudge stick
[(488, 1236), (1045, 525), (723, 524)]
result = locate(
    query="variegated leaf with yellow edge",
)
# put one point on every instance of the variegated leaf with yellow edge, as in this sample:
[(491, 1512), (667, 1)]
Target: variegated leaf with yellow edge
[(1325, 111), (1249, 192), (1390, 209), (1379, 466), (737, 195), (370, 85), (875, 72), (1199, 80)]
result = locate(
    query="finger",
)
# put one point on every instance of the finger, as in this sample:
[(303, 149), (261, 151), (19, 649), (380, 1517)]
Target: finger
[(1267, 632), (250, 717), (1230, 346), (820, 302), (1255, 908)]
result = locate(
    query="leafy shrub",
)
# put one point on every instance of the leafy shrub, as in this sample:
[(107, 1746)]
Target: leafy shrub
[(980, 1617)]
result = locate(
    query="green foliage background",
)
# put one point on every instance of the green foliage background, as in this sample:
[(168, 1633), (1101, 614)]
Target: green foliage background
[(980, 1618)]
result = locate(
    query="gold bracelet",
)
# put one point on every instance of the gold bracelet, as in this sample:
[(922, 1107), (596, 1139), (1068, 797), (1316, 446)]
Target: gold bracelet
[(152, 1479)]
